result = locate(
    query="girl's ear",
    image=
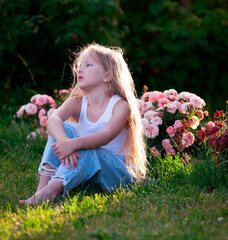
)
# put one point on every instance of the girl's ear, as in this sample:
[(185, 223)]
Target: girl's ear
[(107, 77)]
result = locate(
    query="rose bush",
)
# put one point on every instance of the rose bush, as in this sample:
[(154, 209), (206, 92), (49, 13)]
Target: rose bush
[(170, 120), (38, 109), (215, 134)]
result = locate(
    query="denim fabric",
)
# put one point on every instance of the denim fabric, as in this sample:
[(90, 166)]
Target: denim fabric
[(100, 166)]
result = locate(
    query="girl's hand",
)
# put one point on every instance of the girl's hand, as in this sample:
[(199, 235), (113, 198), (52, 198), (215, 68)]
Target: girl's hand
[(73, 159), (63, 148)]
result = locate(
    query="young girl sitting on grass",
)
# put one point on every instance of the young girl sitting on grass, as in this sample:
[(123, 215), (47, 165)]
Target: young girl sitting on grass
[(106, 146)]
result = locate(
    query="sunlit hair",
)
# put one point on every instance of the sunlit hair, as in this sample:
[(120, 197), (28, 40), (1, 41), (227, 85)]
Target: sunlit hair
[(121, 83)]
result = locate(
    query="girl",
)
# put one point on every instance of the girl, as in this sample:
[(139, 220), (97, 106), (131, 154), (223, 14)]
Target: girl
[(106, 145)]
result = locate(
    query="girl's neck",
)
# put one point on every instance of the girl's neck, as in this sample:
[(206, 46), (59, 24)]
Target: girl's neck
[(97, 100)]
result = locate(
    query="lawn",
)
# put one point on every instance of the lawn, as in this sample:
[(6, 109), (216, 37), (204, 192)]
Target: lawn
[(188, 202)]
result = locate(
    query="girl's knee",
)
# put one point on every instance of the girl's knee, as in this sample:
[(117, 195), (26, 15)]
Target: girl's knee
[(47, 170), (47, 165)]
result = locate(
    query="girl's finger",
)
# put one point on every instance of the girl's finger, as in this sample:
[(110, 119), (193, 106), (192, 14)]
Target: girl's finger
[(75, 160), (53, 144), (77, 154), (72, 161), (67, 162)]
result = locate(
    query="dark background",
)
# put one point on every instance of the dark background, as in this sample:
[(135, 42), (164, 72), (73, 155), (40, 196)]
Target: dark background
[(166, 45)]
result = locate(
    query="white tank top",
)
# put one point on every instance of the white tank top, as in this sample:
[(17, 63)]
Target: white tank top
[(86, 127)]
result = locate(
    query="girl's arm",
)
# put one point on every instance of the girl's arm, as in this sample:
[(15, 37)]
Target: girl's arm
[(108, 133), (71, 107)]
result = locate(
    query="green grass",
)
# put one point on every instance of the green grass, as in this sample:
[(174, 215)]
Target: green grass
[(188, 202)]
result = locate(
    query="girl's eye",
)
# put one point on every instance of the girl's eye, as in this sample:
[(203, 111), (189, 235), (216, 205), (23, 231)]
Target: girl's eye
[(88, 65)]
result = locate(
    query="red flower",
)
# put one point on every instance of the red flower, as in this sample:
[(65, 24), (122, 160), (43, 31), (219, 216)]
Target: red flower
[(201, 134), (213, 141), (219, 124), (183, 127), (220, 144), (218, 114), (212, 131)]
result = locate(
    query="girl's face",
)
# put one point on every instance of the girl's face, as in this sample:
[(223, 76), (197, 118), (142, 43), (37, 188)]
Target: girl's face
[(90, 73)]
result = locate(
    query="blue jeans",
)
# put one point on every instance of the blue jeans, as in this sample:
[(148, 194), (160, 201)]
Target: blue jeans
[(100, 166)]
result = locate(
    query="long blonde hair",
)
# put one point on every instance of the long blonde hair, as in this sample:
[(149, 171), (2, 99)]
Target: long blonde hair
[(120, 83)]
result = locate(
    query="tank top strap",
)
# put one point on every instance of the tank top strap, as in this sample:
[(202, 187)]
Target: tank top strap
[(114, 99), (83, 108)]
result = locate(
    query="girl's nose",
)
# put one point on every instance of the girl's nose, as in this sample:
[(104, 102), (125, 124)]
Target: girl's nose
[(79, 69)]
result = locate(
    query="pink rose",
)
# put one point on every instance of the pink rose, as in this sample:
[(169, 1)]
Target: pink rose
[(160, 96), (154, 93), (156, 120), (170, 151), (168, 147), (205, 113), (166, 143), (152, 99), (178, 124), (171, 107), (210, 125), (193, 122), (177, 104), (155, 152), (185, 96), (171, 131), (41, 100), (148, 106), (160, 105), (188, 139), (164, 101), (171, 92), (63, 92), (150, 114), (185, 107), (152, 131), (21, 111), (31, 108), (51, 101), (145, 95), (140, 105), (53, 105), (33, 98), (199, 114), (145, 122), (171, 97), (43, 121), (197, 101), (41, 113)]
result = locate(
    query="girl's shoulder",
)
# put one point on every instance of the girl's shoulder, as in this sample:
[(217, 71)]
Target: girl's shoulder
[(72, 106), (121, 105), (76, 102)]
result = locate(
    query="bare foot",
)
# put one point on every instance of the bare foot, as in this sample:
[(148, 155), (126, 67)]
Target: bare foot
[(49, 192), (36, 199)]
